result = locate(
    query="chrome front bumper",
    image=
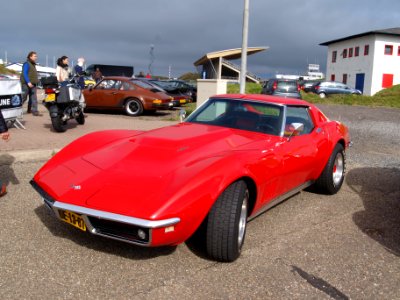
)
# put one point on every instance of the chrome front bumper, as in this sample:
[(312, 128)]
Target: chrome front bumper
[(110, 225)]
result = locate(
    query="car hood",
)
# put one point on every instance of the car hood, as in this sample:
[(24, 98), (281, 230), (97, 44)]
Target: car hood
[(131, 176)]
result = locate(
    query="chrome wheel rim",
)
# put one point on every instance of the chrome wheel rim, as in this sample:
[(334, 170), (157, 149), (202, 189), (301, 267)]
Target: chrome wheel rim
[(338, 169), (133, 107), (243, 219)]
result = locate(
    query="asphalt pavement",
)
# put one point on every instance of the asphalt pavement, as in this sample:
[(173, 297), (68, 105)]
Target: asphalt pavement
[(312, 246)]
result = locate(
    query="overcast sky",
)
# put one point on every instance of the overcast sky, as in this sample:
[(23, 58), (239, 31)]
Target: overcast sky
[(123, 31)]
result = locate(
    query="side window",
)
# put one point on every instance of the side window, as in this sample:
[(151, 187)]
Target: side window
[(295, 114), (125, 86), (213, 111), (117, 85), (106, 85)]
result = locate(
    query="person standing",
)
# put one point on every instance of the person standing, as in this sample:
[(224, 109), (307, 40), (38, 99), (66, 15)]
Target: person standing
[(97, 75), (5, 135), (29, 80), (79, 71), (62, 70)]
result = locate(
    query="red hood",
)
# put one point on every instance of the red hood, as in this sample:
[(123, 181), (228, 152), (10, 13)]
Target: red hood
[(129, 176)]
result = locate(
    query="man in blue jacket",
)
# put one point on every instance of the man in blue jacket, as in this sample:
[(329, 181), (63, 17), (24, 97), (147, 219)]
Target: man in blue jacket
[(4, 135), (29, 80)]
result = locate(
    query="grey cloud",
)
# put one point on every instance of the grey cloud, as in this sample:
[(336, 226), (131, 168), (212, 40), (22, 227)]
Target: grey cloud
[(121, 31)]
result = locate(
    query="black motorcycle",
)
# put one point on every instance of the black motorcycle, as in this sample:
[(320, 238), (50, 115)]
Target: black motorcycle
[(64, 102)]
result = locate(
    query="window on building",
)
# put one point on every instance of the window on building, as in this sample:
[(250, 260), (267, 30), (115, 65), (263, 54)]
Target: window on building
[(387, 80), (333, 77), (334, 55), (344, 78), (356, 51), (350, 52), (388, 49), (344, 53), (366, 49)]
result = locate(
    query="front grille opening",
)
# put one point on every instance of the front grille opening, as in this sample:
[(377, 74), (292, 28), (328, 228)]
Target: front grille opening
[(121, 230)]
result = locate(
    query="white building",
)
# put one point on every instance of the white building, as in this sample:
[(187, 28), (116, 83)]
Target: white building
[(367, 61)]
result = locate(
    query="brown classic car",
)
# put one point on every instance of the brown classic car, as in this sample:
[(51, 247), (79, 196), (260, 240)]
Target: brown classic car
[(131, 95)]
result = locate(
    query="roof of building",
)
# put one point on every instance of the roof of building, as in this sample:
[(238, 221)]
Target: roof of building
[(228, 54), (390, 31)]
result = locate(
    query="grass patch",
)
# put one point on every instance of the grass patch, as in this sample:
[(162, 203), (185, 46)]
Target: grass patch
[(389, 97), (251, 88)]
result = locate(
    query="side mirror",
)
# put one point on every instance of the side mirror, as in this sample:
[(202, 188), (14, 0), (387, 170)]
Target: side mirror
[(293, 129), (182, 115)]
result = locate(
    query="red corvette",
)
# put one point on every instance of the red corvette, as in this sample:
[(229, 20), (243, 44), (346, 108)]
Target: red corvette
[(232, 159)]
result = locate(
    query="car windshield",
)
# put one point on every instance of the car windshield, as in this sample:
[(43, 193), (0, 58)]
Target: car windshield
[(240, 114), (287, 86)]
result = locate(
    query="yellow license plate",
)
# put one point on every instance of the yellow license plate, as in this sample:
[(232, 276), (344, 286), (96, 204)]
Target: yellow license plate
[(73, 219), (182, 101), (50, 98)]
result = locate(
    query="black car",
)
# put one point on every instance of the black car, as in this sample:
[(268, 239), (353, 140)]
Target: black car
[(178, 88), (282, 87), (326, 88)]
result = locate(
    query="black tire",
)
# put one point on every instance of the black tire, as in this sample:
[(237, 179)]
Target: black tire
[(322, 95), (331, 179), (133, 107), (58, 124), (226, 223), (80, 118)]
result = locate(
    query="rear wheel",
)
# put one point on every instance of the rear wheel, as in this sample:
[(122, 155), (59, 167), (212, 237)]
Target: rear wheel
[(332, 177), (133, 107), (58, 124), (322, 95), (80, 118), (226, 224)]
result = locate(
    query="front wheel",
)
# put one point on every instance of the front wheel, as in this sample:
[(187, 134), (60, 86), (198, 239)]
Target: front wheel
[(226, 224), (332, 177), (58, 124), (133, 107)]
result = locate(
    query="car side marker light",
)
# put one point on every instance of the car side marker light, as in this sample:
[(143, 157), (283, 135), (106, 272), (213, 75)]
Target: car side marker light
[(169, 229)]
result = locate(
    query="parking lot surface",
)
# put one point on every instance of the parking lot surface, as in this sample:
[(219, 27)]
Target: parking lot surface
[(312, 246)]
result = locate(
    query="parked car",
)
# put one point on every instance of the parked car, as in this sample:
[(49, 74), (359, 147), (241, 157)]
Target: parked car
[(283, 88), (177, 100), (235, 157), (131, 95), (326, 88), (306, 85), (178, 88)]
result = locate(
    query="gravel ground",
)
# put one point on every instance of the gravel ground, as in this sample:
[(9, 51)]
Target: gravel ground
[(345, 246)]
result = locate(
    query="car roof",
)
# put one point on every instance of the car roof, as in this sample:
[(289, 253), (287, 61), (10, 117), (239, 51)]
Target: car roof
[(118, 77), (264, 98)]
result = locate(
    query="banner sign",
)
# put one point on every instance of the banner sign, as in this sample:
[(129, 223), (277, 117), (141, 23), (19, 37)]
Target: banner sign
[(10, 101)]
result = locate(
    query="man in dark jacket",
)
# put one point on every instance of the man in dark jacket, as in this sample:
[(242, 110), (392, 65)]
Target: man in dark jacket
[(29, 80), (4, 135)]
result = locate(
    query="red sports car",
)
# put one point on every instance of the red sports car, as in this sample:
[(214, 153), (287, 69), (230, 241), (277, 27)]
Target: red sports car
[(232, 159)]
